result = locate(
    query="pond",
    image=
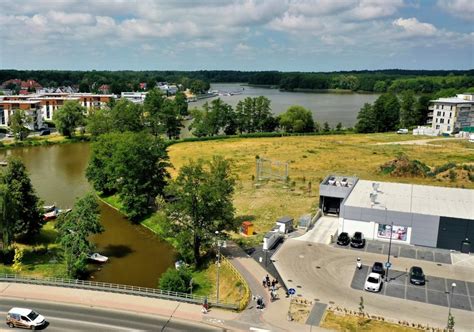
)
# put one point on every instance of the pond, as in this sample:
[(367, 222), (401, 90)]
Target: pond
[(136, 255)]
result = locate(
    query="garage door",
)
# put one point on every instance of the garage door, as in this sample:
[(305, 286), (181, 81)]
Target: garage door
[(453, 231)]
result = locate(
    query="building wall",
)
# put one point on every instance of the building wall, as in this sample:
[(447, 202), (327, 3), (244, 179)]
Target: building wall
[(444, 117), (425, 230)]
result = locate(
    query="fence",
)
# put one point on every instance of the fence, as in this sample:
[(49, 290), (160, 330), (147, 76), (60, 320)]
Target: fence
[(119, 288), (245, 298)]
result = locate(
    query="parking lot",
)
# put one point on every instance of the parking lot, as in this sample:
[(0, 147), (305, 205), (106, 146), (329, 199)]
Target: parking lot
[(422, 253), (435, 291)]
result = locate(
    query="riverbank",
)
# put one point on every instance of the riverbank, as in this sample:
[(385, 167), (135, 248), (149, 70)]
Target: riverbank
[(53, 139)]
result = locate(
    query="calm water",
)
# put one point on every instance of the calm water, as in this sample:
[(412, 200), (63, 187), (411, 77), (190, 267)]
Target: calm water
[(136, 255), (330, 107)]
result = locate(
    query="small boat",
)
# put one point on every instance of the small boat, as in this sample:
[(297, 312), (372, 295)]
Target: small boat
[(179, 264), (49, 208), (96, 257), (50, 215), (61, 211)]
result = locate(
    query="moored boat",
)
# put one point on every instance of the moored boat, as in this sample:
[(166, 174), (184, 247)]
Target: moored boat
[(96, 257)]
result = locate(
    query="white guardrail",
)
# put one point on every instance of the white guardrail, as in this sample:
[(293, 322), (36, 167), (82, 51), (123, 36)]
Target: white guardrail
[(117, 288)]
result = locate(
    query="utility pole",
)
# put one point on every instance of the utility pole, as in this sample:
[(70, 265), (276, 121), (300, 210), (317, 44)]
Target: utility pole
[(389, 250), (453, 285), (219, 243)]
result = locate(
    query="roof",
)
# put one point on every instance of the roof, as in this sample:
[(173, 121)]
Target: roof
[(19, 101), (20, 311), (285, 220), (452, 100), (412, 198)]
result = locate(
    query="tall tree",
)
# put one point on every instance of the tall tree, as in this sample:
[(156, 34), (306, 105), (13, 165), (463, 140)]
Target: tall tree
[(203, 206), (365, 119), (387, 112), (75, 229), (214, 118), (132, 165), (68, 117), (253, 114), (181, 103), (409, 115), (127, 116), (18, 124), (421, 106), (297, 119), (7, 217), (26, 217), (162, 114), (99, 121)]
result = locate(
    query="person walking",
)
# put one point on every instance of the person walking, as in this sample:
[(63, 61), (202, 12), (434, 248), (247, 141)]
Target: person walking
[(264, 282)]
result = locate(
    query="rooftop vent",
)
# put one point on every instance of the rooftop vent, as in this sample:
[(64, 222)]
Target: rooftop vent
[(375, 186)]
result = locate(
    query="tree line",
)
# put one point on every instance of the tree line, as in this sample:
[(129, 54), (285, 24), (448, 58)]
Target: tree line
[(394, 80)]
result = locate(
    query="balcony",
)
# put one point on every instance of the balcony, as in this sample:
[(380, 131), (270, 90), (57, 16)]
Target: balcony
[(431, 108), (429, 121), (430, 114)]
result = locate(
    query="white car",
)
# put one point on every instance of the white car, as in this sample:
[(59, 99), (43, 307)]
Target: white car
[(373, 282), (25, 318)]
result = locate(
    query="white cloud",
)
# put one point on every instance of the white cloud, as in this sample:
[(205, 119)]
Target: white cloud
[(459, 8), (374, 9), (412, 27)]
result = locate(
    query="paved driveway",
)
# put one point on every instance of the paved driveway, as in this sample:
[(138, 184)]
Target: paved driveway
[(435, 291), (399, 250)]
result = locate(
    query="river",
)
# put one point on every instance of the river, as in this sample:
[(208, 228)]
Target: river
[(326, 107), (136, 255)]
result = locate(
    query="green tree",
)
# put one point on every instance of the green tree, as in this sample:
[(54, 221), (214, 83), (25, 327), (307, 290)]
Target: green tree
[(176, 280), (99, 121), (8, 213), (75, 229), (254, 114), (127, 116), (380, 86), (339, 126), (26, 216), (162, 114), (213, 118), (326, 127), (387, 112), (181, 103), (18, 124), (132, 165), (297, 119), (365, 119), (204, 191), (68, 117), (421, 107), (409, 116)]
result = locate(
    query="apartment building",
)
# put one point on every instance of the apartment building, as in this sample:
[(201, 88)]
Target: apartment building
[(31, 107), (134, 97), (449, 115), (43, 106)]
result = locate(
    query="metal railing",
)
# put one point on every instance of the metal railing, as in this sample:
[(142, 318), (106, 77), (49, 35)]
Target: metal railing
[(118, 288), (245, 296)]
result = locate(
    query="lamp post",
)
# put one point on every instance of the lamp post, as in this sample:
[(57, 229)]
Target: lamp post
[(389, 248), (453, 285), (219, 244)]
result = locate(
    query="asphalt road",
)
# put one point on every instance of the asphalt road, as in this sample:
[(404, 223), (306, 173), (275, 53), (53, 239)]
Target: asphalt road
[(63, 317)]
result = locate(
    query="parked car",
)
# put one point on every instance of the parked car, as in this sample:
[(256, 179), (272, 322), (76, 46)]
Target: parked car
[(45, 132), (373, 283), (402, 131), (378, 268), (343, 239), (25, 318), (357, 240), (417, 277)]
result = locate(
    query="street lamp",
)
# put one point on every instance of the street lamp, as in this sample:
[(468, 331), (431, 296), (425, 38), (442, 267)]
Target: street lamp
[(453, 285), (219, 244), (389, 248)]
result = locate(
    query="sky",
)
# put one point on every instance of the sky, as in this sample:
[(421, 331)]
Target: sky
[(285, 35)]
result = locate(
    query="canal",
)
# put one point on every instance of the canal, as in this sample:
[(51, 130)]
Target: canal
[(136, 255)]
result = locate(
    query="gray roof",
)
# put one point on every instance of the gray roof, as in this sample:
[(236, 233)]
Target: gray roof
[(428, 200), (285, 220)]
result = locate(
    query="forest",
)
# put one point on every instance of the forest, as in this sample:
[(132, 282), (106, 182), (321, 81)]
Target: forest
[(391, 80)]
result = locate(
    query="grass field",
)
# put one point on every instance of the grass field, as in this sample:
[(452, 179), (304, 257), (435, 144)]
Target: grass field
[(351, 323), (311, 159)]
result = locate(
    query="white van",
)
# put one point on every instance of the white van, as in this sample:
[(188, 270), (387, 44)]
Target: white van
[(25, 318)]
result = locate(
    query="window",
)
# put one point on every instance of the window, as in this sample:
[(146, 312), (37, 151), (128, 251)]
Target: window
[(437, 120), (449, 128), (451, 107), (437, 126), (449, 121), (443, 113), (441, 120), (439, 113), (450, 114)]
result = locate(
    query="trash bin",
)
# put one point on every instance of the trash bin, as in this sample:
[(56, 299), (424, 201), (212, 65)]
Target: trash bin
[(466, 246)]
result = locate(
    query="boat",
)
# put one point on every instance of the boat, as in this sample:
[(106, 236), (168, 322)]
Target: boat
[(63, 211), (50, 215), (49, 208), (96, 257)]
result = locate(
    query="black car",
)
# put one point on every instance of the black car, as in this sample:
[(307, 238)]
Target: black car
[(343, 239), (378, 268), (45, 132), (417, 277), (357, 240)]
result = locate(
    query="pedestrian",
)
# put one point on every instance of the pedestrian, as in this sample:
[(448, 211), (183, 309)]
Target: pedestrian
[(268, 283), (264, 282), (273, 283), (267, 278), (276, 282)]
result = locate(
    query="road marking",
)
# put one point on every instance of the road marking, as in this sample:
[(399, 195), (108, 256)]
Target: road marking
[(258, 330), (115, 327)]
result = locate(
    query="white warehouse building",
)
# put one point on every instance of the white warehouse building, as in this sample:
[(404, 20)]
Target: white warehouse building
[(421, 215)]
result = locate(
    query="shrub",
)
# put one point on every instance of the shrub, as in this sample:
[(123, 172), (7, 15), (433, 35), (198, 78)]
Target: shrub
[(176, 280)]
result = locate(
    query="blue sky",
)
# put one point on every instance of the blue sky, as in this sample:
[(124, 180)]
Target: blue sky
[(286, 35)]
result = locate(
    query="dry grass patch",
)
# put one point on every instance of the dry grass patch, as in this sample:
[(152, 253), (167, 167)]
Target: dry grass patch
[(311, 159)]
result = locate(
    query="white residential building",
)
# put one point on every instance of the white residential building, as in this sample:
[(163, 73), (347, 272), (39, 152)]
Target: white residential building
[(448, 115), (135, 97)]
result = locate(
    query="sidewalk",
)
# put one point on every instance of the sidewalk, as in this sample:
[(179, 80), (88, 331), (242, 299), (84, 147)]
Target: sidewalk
[(274, 316), (139, 304)]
